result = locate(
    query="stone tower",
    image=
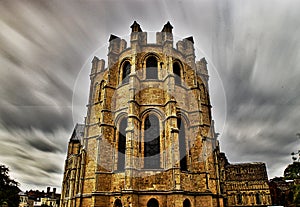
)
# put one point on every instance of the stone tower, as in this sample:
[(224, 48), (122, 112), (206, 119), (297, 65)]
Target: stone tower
[(148, 139)]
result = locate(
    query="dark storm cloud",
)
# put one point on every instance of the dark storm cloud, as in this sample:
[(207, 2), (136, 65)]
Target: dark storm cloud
[(42, 145), (33, 155), (257, 54), (44, 44)]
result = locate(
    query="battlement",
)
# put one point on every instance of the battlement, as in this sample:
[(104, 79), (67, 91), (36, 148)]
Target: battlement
[(139, 43), (138, 39)]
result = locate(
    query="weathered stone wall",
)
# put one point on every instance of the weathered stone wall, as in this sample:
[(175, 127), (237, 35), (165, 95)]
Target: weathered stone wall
[(246, 184), (111, 100)]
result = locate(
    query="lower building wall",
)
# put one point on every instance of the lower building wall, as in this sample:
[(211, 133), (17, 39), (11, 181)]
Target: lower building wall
[(142, 200), (101, 201), (164, 200), (248, 200)]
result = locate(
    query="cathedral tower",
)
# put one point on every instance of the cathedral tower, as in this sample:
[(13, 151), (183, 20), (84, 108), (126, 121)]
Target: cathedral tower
[(148, 139)]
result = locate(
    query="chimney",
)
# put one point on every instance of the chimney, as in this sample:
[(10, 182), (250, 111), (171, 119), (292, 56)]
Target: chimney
[(53, 193)]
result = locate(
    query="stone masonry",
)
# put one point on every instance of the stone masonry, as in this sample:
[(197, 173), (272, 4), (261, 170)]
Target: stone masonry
[(148, 137)]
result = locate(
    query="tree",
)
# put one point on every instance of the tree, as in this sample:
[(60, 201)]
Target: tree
[(292, 171), (296, 190), (8, 188)]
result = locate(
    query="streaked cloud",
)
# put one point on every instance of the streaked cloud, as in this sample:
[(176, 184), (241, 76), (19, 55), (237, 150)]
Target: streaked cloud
[(44, 45)]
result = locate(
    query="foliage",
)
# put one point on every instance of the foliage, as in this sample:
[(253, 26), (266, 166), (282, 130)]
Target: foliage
[(8, 188), (292, 171), (296, 191)]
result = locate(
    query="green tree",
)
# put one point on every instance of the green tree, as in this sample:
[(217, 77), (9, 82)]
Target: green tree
[(296, 191), (292, 171), (8, 188)]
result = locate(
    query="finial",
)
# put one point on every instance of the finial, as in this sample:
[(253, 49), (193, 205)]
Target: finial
[(135, 27), (191, 39), (112, 37), (167, 27), (203, 60), (95, 59)]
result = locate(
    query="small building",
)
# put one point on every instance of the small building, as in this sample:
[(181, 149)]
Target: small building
[(246, 184), (281, 191), (51, 202), (24, 200), (41, 198)]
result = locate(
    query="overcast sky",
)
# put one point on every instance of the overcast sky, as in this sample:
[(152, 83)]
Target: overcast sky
[(252, 48)]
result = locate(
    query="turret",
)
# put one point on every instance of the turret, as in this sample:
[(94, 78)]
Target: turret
[(97, 65), (201, 68), (137, 37), (165, 38)]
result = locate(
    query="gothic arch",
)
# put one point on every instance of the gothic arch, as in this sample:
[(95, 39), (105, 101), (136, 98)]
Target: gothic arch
[(101, 90), (143, 64), (186, 203), (239, 198), (67, 183), (155, 111), (118, 203), (151, 68), (203, 92), (96, 91), (180, 64), (121, 144), (258, 198), (152, 141), (125, 69), (119, 117), (183, 144), (178, 72), (152, 203), (185, 118), (147, 55)]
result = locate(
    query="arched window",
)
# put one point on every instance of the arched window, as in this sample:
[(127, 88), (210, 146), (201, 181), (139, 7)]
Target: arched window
[(151, 68), (176, 71), (258, 198), (203, 93), (182, 145), (151, 142), (67, 192), (118, 203), (152, 203), (239, 199), (96, 92), (125, 72), (186, 203), (122, 145), (101, 89)]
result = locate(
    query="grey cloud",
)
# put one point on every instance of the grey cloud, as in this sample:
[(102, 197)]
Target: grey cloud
[(256, 58), (42, 145), (33, 155), (44, 44)]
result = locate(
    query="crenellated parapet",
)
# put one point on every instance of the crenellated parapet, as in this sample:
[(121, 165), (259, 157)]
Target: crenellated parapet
[(97, 66), (138, 44)]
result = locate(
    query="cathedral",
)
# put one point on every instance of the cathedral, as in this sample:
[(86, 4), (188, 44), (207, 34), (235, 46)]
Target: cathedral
[(148, 139)]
